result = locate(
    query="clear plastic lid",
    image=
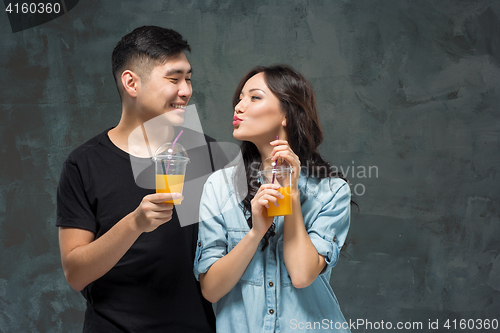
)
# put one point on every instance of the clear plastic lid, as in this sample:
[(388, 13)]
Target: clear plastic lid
[(169, 151), (271, 172), (280, 165)]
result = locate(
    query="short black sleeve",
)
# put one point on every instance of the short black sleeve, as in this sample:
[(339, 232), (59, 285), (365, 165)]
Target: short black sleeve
[(73, 207)]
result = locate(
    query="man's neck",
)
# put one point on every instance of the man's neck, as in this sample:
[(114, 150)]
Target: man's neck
[(139, 138)]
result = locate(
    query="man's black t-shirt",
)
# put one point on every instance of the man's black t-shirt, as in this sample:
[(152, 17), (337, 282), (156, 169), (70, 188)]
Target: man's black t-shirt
[(152, 288)]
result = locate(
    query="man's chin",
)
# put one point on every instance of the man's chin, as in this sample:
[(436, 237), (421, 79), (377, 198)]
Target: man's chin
[(177, 122), (173, 118)]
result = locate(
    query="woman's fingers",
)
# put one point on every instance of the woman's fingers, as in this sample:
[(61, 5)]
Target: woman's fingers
[(283, 150), (279, 142), (268, 193), (265, 199)]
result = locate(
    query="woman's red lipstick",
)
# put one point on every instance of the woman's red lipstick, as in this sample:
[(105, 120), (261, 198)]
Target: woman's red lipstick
[(236, 120)]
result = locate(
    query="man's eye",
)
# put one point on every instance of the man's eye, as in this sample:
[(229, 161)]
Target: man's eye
[(173, 79)]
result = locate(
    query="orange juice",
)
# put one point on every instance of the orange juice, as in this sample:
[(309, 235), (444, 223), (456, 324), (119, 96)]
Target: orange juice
[(284, 205), (169, 184)]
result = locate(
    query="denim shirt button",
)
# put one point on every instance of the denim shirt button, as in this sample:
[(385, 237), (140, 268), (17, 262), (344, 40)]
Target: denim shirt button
[(271, 284), (199, 244), (271, 311)]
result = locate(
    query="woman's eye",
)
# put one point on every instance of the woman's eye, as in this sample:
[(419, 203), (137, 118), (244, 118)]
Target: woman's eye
[(255, 97)]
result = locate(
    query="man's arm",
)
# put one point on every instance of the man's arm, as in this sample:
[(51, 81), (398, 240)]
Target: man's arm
[(85, 259)]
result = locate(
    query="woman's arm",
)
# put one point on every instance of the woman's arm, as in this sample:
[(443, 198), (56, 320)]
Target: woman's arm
[(326, 233), (225, 273), (302, 261), (301, 257)]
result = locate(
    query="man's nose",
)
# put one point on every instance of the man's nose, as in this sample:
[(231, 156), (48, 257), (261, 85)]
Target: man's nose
[(185, 89)]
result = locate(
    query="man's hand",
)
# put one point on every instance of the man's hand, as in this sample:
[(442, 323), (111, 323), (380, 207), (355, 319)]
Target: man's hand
[(85, 259), (153, 211)]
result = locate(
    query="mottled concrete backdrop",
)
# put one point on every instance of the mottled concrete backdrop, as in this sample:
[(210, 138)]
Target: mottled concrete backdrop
[(409, 95)]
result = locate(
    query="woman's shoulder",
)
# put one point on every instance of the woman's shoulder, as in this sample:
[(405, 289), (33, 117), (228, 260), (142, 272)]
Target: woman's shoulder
[(221, 183), (220, 192), (324, 189), (222, 175)]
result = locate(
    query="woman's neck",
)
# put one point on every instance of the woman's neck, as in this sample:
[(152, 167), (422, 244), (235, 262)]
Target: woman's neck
[(265, 148), (265, 151)]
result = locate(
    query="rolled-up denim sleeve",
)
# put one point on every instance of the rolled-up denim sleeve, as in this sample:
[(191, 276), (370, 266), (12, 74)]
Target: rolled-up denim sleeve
[(329, 229), (212, 234)]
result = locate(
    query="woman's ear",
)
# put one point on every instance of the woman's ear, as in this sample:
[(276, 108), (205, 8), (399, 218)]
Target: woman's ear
[(283, 122)]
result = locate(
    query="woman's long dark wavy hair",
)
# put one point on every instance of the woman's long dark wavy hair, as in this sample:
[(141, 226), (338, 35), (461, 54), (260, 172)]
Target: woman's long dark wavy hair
[(303, 130)]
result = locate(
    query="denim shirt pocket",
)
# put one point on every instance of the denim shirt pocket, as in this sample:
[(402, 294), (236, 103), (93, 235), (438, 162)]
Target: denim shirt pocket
[(254, 273), (286, 281)]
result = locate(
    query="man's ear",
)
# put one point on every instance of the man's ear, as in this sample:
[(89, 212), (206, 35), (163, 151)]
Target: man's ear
[(130, 82)]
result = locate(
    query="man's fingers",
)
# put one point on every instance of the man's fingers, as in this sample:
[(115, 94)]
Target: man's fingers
[(161, 197), (164, 215)]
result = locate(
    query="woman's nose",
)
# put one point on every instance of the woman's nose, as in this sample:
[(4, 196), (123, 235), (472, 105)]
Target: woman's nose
[(239, 107)]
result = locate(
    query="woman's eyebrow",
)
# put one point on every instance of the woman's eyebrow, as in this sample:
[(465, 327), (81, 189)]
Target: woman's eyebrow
[(253, 89)]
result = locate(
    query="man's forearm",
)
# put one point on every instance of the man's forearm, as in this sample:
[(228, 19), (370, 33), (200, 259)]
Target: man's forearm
[(84, 259)]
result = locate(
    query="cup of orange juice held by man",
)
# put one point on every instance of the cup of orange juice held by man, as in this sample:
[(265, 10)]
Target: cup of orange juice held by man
[(278, 172), (170, 160)]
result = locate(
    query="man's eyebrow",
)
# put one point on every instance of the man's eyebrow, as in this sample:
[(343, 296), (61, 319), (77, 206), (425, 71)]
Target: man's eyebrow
[(173, 71)]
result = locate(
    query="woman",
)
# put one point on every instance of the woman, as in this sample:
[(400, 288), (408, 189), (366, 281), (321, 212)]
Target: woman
[(272, 274)]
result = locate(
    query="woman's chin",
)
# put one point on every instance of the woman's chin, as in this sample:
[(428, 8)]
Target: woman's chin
[(237, 135)]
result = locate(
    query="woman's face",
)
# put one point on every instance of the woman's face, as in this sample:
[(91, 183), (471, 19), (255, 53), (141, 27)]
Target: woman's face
[(258, 117)]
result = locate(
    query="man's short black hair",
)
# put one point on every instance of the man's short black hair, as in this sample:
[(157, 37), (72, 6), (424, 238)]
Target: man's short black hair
[(144, 48)]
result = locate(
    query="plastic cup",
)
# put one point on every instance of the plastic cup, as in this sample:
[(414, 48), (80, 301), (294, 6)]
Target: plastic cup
[(279, 172), (170, 169)]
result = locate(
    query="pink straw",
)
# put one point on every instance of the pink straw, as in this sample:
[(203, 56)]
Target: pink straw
[(275, 163), (173, 145)]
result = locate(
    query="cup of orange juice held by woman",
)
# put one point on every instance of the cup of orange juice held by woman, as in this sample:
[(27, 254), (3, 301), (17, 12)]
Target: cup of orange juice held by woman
[(278, 172), (170, 160)]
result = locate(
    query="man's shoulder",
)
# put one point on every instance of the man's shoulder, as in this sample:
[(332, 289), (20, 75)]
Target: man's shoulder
[(85, 148), (209, 138)]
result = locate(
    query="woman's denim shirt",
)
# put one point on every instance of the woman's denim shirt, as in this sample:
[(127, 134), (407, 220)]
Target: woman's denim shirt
[(264, 300)]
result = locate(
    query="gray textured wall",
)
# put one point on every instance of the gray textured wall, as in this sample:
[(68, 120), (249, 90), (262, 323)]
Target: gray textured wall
[(409, 88)]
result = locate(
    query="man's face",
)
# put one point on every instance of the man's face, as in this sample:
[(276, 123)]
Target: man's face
[(167, 90)]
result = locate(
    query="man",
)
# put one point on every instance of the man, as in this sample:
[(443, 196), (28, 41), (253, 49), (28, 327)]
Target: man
[(120, 244)]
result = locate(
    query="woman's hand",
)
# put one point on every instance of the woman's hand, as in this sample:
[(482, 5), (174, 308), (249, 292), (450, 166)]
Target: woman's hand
[(283, 150), (265, 196)]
